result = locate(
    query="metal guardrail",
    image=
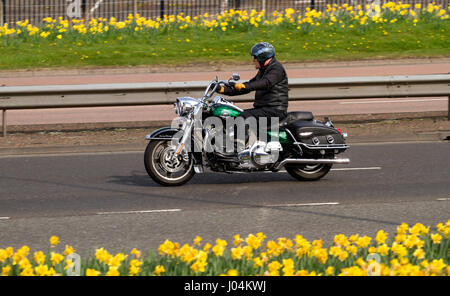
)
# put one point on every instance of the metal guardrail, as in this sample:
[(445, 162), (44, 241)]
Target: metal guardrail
[(135, 94)]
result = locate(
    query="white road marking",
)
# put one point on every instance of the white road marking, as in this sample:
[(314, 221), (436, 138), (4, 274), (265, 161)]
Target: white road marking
[(356, 169), (443, 199), (139, 212), (392, 101), (304, 204), (5, 218), (337, 169)]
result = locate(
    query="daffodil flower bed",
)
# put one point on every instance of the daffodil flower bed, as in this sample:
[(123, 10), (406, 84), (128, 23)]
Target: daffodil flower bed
[(414, 250), (340, 33)]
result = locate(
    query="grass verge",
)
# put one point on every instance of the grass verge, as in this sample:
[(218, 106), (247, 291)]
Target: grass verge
[(339, 34)]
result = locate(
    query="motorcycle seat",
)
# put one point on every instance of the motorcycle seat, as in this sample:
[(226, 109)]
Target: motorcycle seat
[(296, 116)]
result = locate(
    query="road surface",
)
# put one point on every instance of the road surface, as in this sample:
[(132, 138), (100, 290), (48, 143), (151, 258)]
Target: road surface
[(107, 199)]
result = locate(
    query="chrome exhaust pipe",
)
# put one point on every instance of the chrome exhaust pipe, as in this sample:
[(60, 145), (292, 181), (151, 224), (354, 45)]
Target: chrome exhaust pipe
[(311, 161)]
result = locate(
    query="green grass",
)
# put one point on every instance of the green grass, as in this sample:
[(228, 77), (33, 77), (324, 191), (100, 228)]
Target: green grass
[(430, 37)]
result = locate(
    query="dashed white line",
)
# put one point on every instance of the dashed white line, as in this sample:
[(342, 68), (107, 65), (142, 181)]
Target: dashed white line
[(335, 169), (305, 204), (443, 199), (356, 169), (139, 212), (5, 218)]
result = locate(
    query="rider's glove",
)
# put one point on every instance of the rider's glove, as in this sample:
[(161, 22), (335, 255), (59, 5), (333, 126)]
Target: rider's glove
[(239, 86), (221, 90)]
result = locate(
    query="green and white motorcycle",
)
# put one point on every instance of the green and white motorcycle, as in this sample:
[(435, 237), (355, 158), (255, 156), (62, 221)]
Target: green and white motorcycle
[(209, 135)]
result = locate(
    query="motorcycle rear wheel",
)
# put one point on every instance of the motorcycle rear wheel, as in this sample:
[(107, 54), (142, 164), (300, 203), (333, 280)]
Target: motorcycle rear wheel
[(163, 169), (309, 172)]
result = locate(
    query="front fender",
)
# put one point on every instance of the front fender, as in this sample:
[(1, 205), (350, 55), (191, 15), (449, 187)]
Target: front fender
[(168, 133), (164, 133)]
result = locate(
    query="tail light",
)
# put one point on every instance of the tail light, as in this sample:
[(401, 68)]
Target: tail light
[(344, 135)]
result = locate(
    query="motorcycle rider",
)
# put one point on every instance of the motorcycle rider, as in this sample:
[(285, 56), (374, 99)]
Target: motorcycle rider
[(270, 84)]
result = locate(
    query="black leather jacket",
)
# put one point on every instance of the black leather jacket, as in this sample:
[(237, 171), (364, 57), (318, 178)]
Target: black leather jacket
[(270, 84)]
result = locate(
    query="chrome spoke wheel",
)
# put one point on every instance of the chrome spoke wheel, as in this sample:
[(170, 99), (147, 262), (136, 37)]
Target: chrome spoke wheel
[(165, 167)]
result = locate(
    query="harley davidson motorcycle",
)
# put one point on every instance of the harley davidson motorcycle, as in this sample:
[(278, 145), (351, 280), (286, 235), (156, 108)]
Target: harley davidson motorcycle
[(306, 148)]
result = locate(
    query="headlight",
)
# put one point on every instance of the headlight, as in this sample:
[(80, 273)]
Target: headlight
[(185, 105)]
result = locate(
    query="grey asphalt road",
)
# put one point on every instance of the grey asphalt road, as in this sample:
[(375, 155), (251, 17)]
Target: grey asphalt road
[(107, 199)]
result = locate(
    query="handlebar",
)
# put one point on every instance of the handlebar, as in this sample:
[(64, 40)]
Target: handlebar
[(212, 87)]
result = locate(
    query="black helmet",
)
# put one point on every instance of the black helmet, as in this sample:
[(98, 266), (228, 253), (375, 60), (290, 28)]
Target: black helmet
[(263, 51)]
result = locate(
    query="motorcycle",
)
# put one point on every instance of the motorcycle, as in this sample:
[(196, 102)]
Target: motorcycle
[(305, 147)]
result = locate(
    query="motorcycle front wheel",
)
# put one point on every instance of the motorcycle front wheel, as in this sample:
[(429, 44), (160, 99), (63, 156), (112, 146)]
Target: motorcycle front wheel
[(308, 172), (163, 168)]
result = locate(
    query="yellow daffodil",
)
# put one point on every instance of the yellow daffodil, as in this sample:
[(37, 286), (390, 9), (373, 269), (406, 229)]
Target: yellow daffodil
[(320, 254), (236, 253), (159, 269), (200, 264), (399, 250), (197, 240), (353, 271), (258, 262), (20, 254), (187, 253), (92, 272), (436, 266), (55, 258), (113, 271), (381, 237), (206, 247), (237, 240), (27, 272), (68, 250), (39, 257), (54, 240), (419, 254), (274, 268), (134, 267), (329, 270), (364, 241), (3, 255), (136, 253), (436, 238), (383, 250), (255, 241), (288, 267), (6, 270), (117, 260), (44, 34), (219, 248), (44, 270), (168, 248)]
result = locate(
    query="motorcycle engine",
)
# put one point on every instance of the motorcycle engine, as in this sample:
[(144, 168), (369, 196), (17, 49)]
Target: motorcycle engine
[(260, 155)]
